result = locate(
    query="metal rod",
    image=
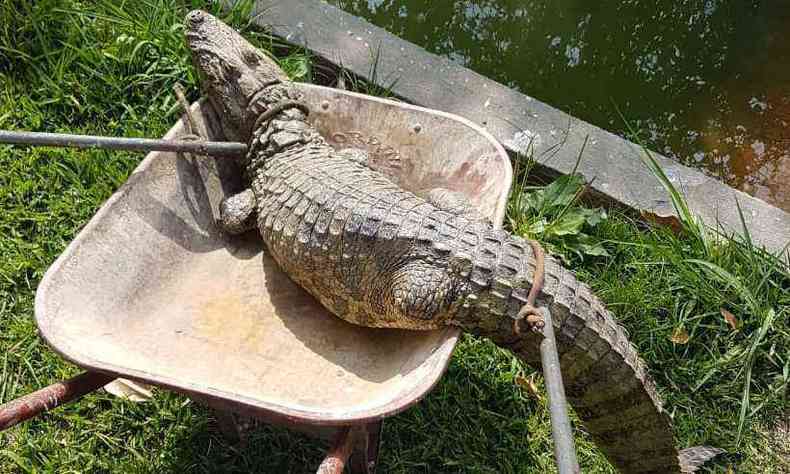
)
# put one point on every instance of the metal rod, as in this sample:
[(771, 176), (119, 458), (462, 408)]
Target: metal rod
[(118, 143), (33, 404), (336, 459), (564, 449)]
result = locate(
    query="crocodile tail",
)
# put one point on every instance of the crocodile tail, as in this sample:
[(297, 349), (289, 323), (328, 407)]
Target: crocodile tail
[(692, 459), (606, 382)]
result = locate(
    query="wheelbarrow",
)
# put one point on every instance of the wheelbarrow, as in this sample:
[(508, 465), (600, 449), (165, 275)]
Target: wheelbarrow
[(151, 290)]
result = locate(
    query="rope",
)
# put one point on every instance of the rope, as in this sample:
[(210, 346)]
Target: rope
[(529, 311), (266, 84), (278, 108)]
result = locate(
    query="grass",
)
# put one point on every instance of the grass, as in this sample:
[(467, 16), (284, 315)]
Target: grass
[(108, 67)]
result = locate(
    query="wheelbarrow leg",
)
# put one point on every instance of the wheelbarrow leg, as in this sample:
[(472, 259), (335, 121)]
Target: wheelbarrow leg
[(337, 457), (365, 457), (227, 425), (33, 404)]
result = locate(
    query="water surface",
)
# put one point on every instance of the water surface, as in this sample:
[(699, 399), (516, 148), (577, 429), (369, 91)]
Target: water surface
[(706, 82)]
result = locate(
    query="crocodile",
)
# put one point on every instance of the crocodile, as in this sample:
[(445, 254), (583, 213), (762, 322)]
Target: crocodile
[(377, 255)]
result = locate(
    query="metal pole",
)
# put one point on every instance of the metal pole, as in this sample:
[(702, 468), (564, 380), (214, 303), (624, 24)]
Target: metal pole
[(33, 404), (117, 143), (564, 449)]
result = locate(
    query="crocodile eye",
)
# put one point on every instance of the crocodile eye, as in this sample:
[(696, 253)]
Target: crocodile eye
[(251, 58)]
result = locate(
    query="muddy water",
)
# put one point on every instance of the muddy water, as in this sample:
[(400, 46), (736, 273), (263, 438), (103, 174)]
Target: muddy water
[(706, 82)]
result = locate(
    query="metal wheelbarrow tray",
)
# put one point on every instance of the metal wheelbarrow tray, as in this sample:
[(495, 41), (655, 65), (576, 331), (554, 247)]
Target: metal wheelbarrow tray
[(151, 290)]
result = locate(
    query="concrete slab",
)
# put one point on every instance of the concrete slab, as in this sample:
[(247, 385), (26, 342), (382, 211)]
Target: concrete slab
[(518, 121)]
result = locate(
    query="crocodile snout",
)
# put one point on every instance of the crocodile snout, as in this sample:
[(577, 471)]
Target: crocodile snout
[(232, 71)]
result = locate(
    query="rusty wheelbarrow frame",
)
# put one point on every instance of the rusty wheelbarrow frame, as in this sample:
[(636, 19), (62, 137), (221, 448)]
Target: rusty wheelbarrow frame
[(147, 290)]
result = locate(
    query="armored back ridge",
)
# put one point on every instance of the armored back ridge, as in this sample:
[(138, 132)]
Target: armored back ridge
[(377, 255)]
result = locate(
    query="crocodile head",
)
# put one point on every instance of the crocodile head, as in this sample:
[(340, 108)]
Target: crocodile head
[(233, 73)]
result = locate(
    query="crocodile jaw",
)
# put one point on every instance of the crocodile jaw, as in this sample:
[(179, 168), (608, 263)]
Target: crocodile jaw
[(232, 71)]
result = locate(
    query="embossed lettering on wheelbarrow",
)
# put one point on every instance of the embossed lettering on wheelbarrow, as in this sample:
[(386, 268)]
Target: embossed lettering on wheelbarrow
[(152, 290)]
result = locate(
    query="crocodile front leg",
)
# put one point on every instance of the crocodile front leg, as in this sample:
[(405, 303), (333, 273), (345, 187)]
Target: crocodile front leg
[(237, 213)]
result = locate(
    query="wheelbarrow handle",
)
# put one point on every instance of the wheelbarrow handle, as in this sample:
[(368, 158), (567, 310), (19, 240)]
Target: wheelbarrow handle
[(33, 404)]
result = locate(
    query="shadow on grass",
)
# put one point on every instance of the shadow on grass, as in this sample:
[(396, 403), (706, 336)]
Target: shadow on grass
[(267, 449), (471, 422)]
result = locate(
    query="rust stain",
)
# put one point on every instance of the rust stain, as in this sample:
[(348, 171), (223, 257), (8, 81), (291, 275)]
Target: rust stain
[(225, 318)]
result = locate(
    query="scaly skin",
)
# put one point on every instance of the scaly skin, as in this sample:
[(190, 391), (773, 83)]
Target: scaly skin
[(377, 255)]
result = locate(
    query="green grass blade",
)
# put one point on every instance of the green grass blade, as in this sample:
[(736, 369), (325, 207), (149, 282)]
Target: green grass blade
[(757, 339), (730, 280)]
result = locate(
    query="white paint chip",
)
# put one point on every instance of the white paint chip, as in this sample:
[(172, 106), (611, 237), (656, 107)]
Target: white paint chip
[(524, 141)]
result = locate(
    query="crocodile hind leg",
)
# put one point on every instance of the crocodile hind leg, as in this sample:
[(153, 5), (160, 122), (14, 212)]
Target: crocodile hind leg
[(237, 213), (416, 295), (420, 291), (454, 202)]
